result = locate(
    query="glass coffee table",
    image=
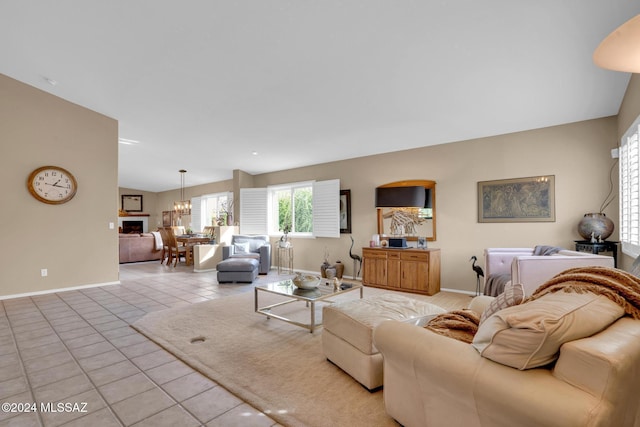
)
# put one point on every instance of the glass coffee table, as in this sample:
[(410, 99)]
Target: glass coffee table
[(323, 293)]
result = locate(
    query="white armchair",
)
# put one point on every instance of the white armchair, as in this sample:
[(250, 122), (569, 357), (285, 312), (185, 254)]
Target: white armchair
[(533, 270)]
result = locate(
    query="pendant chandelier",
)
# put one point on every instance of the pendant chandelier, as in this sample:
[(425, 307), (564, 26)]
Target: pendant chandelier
[(182, 207)]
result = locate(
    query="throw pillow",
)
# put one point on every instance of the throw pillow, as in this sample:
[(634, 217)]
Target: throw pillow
[(241, 248), (529, 335), (512, 295)]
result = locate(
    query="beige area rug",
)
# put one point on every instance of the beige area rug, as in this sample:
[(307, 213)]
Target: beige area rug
[(276, 367)]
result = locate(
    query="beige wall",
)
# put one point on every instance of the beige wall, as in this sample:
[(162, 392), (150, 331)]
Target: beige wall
[(629, 111), (577, 154), (74, 243), (73, 240), (165, 199), (149, 205)]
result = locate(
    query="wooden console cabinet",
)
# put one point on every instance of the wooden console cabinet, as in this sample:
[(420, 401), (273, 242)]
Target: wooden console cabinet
[(409, 270)]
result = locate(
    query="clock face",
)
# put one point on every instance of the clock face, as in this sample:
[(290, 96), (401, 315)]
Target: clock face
[(52, 184)]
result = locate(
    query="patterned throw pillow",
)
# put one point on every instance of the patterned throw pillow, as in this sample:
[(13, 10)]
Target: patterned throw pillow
[(512, 295), (241, 248)]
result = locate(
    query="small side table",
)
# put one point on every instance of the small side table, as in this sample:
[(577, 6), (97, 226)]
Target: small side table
[(285, 260), (596, 248)]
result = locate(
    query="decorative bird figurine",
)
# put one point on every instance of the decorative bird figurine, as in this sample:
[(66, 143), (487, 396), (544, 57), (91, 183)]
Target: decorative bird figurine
[(478, 271), (356, 259)]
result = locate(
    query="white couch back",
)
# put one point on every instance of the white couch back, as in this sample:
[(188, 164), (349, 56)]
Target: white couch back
[(533, 270)]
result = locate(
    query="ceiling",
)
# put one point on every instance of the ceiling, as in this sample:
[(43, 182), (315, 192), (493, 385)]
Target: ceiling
[(203, 84)]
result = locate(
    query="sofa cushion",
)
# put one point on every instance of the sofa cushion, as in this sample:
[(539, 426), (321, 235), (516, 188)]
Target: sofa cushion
[(237, 264), (529, 335), (512, 295), (354, 321)]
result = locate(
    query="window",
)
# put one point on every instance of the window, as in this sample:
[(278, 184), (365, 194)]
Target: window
[(630, 190), (291, 209), (308, 208), (214, 208)]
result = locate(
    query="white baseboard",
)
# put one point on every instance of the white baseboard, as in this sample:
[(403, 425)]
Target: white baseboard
[(53, 291), (458, 291), (317, 273)]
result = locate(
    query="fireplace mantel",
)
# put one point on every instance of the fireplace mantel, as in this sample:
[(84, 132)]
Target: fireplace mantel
[(126, 214)]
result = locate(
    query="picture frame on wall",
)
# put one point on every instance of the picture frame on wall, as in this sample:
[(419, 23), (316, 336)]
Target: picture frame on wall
[(167, 218), (132, 203), (530, 199), (345, 211)]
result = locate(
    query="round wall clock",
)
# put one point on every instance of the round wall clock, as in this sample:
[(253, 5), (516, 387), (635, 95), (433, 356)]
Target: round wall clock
[(52, 184)]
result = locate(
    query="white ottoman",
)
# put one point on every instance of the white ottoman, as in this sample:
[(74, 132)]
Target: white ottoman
[(347, 338)]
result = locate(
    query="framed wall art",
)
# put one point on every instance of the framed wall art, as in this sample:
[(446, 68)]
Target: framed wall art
[(132, 203), (529, 199), (345, 211)]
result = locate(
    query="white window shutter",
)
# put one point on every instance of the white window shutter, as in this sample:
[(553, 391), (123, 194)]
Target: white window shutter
[(326, 208), (630, 190), (196, 213), (253, 211)]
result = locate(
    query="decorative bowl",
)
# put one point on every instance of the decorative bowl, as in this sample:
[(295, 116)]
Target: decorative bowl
[(306, 281)]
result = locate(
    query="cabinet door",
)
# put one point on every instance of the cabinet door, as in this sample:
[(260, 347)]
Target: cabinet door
[(375, 268), (415, 271), (415, 275), (393, 270)]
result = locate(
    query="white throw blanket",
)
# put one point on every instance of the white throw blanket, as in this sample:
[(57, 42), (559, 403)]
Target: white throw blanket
[(158, 238)]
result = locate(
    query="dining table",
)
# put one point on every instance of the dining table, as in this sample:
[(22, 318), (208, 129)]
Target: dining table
[(191, 240)]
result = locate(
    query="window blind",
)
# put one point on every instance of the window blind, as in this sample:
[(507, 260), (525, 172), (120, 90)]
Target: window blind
[(326, 208), (253, 211), (630, 190), (196, 214)]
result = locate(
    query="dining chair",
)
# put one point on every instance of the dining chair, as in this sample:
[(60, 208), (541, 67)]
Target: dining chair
[(166, 249), (178, 230), (175, 249)]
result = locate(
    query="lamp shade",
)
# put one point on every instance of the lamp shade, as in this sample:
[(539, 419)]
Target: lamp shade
[(620, 50), (428, 202), (400, 197)]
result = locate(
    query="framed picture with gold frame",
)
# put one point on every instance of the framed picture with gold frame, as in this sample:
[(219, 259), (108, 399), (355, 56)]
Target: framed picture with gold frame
[(530, 199)]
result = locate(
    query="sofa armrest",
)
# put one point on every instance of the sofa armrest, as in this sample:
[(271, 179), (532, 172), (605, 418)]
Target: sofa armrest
[(605, 365), (480, 303), (265, 258), (227, 251)]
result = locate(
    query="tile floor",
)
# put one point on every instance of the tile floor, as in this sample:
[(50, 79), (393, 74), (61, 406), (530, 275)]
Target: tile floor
[(77, 348)]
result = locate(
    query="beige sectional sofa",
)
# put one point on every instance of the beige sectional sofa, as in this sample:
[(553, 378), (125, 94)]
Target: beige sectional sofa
[(434, 380)]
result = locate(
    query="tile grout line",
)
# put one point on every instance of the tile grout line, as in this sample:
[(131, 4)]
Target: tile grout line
[(86, 375), (142, 371), (185, 294), (22, 367)]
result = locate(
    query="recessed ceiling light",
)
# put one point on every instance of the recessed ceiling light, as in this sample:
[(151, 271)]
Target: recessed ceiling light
[(128, 141), (254, 153)]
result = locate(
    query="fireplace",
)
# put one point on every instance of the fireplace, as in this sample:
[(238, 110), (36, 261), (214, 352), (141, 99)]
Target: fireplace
[(129, 227), (139, 222)]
